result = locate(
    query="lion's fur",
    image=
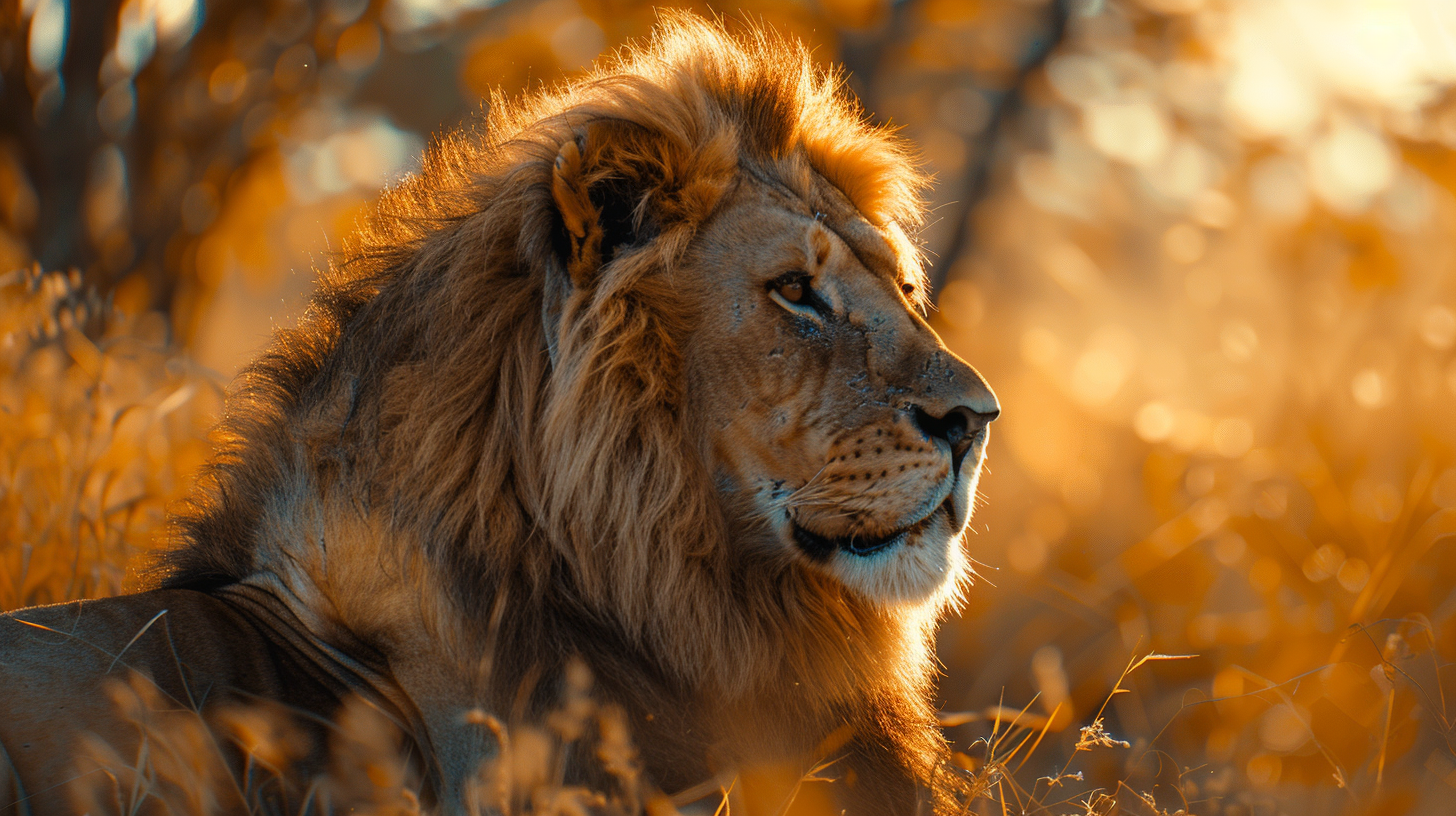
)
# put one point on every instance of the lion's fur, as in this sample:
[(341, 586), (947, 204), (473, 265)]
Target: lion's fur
[(417, 449)]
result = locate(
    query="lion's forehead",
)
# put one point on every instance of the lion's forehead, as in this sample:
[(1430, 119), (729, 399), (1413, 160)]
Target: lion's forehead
[(801, 190)]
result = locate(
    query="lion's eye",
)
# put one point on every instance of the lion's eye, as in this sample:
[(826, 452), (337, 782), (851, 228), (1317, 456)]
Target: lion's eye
[(794, 291)]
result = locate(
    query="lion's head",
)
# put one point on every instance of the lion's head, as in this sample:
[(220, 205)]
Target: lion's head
[(763, 249), (839, 429), (645, 361), (785, 303)]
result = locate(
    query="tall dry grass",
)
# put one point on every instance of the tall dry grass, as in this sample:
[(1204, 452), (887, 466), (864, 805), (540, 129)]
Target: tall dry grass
[(102, 424)]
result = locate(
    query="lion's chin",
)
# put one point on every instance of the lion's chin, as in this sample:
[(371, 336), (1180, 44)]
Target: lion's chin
[(922, 565)]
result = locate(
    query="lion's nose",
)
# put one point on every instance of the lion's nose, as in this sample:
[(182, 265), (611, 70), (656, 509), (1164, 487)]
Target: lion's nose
[(958, 427)]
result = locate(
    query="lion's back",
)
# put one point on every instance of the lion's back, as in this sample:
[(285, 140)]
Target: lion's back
[(86, 683)]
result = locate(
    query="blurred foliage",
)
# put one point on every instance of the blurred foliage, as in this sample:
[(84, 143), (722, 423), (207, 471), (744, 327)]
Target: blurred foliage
[(101, 424), (1203, 249)]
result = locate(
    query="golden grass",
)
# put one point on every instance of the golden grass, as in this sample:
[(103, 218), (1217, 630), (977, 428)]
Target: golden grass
[(101, 426)]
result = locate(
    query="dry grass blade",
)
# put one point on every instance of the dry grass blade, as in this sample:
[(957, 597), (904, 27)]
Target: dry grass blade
[(134, 638)]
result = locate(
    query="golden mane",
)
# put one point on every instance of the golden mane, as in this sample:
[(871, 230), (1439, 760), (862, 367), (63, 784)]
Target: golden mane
[(561, 481)]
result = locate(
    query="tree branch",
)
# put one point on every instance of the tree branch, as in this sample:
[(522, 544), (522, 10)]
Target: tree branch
[(977, 182)]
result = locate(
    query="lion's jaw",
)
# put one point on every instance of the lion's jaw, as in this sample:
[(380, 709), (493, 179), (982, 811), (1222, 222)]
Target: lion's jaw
[(888, 556), (847, 435)]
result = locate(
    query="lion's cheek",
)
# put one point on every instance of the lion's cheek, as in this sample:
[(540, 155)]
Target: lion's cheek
[(762, 442)]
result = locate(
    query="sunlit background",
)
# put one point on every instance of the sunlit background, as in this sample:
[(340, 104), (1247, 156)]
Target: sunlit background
[(1203, 250)]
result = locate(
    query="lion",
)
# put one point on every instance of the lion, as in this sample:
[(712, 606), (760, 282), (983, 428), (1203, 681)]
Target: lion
[(637, 376)]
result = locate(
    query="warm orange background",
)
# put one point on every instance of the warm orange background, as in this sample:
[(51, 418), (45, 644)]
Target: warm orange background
[(1204, 251)]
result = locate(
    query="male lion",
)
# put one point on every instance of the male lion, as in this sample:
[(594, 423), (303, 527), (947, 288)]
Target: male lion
[(638, 377)]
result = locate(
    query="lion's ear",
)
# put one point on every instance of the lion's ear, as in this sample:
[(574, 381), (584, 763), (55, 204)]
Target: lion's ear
[(601, 183), (579, 216), (603, 180)]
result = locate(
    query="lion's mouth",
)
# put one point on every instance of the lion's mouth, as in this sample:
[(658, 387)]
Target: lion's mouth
[(820, 547)]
